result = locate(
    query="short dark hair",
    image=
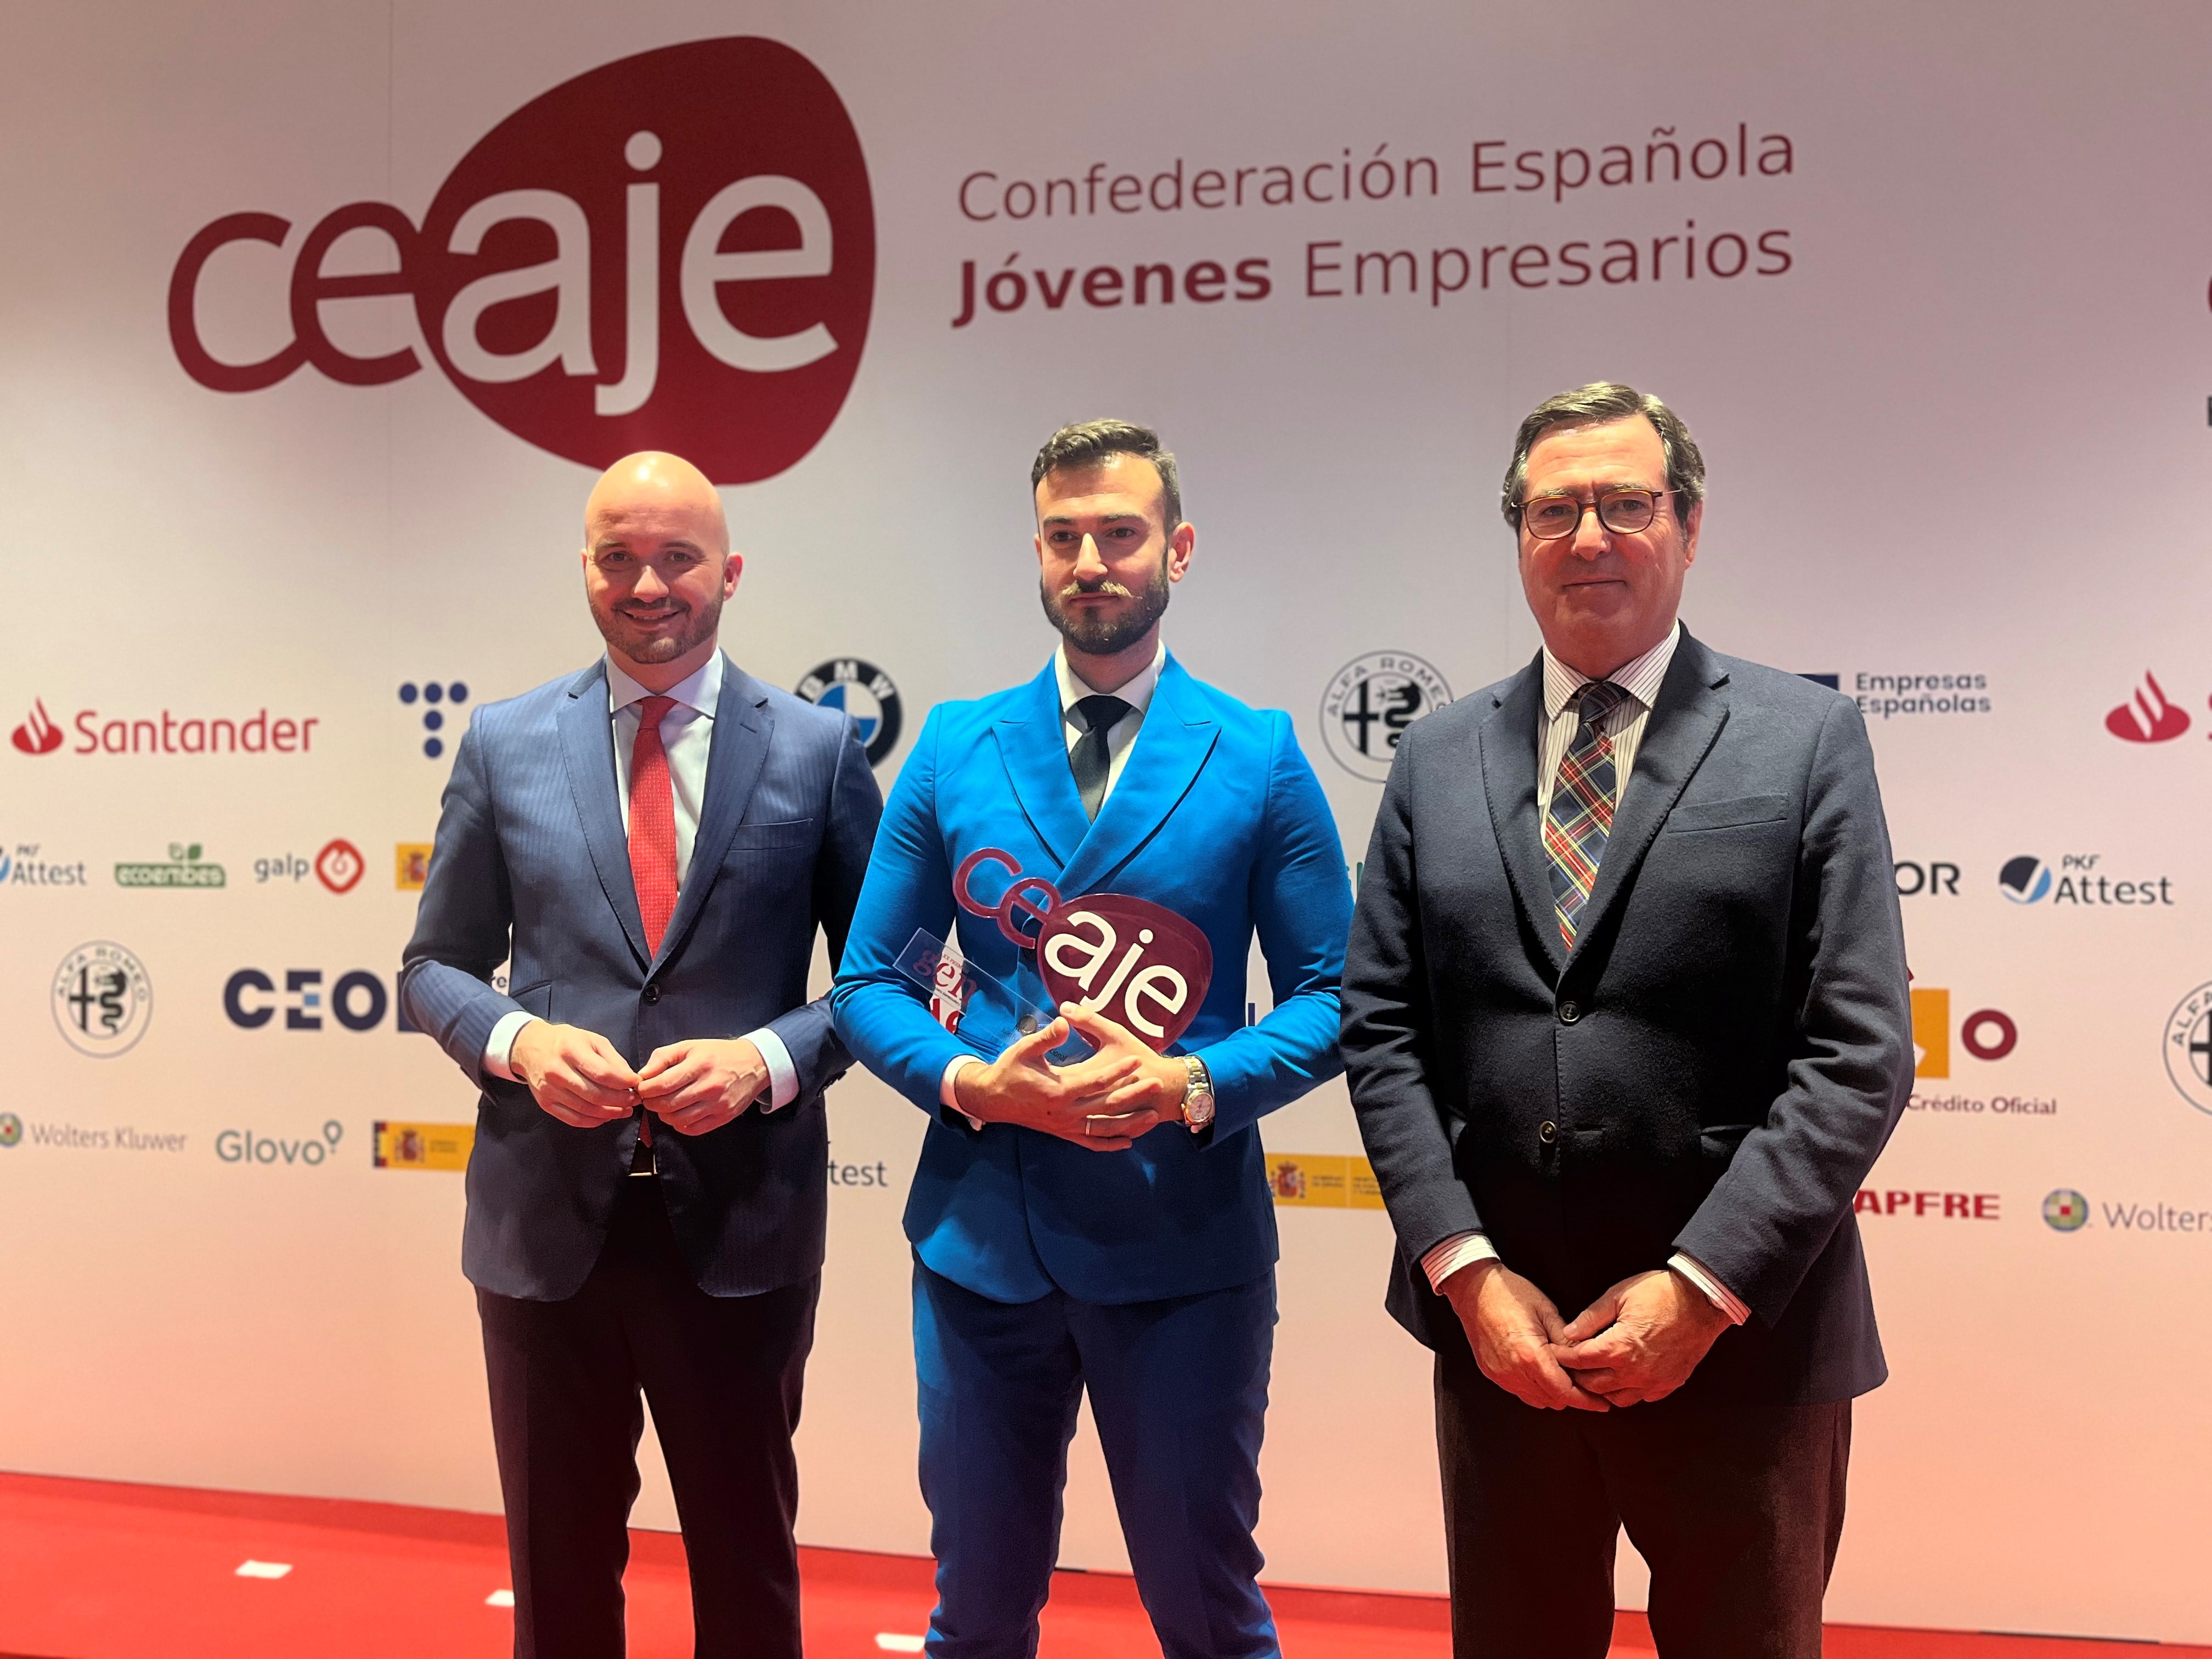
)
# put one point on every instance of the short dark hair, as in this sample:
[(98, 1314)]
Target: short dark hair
[(1089, 442), (1596, 404)]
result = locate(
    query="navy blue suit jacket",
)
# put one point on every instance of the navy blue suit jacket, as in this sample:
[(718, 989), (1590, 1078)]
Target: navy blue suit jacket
[(1216, 816), (532, 861), (1712, 1068)]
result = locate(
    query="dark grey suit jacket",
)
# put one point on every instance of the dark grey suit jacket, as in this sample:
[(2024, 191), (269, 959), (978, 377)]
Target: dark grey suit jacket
[(1714, 1066), (532, 857)]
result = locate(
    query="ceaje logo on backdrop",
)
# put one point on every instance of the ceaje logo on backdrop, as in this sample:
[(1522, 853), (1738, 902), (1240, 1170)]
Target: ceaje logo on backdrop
[(675, 251)]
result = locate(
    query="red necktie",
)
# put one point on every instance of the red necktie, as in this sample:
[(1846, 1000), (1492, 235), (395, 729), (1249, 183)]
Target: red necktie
[(653, 823), (651, 838)]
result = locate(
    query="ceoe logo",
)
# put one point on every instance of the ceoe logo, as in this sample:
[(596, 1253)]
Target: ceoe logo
[(674, 250)]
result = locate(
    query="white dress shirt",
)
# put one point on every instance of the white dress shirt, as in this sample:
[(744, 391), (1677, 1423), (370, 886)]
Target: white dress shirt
[(1624, 724), (1136, 691), (687, 733)]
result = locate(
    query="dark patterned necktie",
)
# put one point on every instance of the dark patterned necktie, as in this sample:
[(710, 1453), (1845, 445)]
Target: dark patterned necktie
[(1582, 800), (1091, 763)]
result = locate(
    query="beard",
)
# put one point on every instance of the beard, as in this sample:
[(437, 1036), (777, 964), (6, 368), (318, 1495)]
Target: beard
[(660, 642), (1097, 635)]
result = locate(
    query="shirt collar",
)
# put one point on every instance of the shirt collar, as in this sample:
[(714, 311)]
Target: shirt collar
[(1136, 691), (1640, 678), (700, 690)]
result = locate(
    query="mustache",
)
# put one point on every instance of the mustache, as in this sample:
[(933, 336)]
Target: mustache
[(1109, 588)]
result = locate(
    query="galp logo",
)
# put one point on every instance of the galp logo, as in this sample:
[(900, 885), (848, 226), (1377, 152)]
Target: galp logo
[(675, 251)]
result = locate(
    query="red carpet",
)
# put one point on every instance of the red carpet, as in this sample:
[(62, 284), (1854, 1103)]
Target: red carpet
[(91, 1570)]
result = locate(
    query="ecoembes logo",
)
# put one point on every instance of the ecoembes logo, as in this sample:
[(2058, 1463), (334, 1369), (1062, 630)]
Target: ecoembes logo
[(674, 250)]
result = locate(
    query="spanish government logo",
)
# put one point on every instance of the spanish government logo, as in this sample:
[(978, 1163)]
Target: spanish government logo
[(863, 692), (1368, 704), (2189, 1047), (102, 998), (2066, 1209)]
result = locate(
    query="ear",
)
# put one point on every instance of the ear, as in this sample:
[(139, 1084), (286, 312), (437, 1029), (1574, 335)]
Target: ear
[(1181, 546), (733, 566), (1691, 524)]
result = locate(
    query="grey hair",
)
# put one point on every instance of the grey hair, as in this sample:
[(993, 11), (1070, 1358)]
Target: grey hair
[(1595, 405), (1086, 443)]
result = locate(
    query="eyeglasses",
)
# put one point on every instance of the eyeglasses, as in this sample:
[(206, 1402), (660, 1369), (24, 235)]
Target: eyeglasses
[(1624, 511)]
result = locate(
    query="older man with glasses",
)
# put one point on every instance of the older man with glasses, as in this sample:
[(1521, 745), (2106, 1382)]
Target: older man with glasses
[(1626, 1024)]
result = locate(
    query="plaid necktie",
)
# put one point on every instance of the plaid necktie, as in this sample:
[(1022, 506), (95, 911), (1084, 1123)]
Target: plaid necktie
[(1582, 800)]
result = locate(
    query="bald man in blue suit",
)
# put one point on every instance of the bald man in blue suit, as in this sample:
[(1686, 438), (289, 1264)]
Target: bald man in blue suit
[(1106, 1223)]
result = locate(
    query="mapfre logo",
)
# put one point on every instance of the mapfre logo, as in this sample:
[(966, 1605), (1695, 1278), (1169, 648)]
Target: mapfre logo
[(676, 251)]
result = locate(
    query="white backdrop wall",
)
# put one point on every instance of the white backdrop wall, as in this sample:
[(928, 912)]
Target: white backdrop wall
[(1955, 408)]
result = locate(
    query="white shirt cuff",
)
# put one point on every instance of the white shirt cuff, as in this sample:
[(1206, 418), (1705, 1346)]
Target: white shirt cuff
[(951, 1095), (1459, 1250), (1716, 1292), (782, 1075), (501, 1043)]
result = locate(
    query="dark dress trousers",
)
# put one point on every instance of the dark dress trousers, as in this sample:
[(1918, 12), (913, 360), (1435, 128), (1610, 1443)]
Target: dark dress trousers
[(696, 1285), (1712, 1068)]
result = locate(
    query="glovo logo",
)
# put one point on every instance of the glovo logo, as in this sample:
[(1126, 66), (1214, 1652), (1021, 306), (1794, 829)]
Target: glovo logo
[(675, 251)]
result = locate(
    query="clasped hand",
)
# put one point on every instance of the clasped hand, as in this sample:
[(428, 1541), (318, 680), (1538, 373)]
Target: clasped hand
[(1102, 1103), (1639, 1341), (693, 1087)]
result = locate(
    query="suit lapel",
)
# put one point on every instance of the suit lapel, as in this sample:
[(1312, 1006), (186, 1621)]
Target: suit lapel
[(1680, 733), (587, 754), (735, 754), (1509, 740), (1177, 735), (1035, 752)]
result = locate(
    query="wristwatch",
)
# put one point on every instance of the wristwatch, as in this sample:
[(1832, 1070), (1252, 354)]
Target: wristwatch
[(1198, 1099)]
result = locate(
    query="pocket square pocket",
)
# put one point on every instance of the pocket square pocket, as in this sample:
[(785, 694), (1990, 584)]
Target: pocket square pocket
[(1729, 814), (794, 832)]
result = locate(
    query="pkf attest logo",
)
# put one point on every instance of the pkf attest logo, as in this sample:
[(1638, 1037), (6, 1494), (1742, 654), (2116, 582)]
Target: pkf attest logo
[(864, 692), (676, 251)]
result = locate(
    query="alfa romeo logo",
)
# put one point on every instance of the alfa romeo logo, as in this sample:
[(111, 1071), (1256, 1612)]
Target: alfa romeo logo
[(102, 998), (1370, 703), (2189, 1047)]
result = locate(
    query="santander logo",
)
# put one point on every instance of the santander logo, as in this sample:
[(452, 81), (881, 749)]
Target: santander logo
[(674, 250), (38, 735), (2149, 717)]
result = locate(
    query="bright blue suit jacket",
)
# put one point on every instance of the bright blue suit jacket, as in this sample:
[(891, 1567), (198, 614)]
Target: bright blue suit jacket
[(1216, 816)]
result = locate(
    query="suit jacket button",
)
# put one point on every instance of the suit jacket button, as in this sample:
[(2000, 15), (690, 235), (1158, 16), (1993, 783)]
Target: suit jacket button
[(1547, 1132), (653, 990), (1570, 1012)]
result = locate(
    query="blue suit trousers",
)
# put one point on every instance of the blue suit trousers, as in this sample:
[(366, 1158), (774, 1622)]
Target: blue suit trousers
[(1179, 1391)]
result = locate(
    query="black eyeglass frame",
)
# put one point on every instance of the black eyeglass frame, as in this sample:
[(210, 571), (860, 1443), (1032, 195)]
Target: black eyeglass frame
[(1596, 504)]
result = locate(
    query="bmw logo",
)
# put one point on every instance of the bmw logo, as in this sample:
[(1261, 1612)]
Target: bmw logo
[(864, 692), (2024, 879)]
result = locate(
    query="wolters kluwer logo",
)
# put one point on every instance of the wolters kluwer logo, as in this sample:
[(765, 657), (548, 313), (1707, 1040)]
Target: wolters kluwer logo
[(2189, 1047), (1368, 704), (102, 998), (864, 692), (2066, 1209)]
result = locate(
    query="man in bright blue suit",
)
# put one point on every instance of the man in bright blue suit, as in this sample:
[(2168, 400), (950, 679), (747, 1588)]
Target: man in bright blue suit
[(1104, 1223)]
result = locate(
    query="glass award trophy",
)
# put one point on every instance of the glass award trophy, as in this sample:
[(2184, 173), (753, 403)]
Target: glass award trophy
[(1135, 963)]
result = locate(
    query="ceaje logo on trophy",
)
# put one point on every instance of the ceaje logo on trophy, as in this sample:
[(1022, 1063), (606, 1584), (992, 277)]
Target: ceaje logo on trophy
[(1107, 841)]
